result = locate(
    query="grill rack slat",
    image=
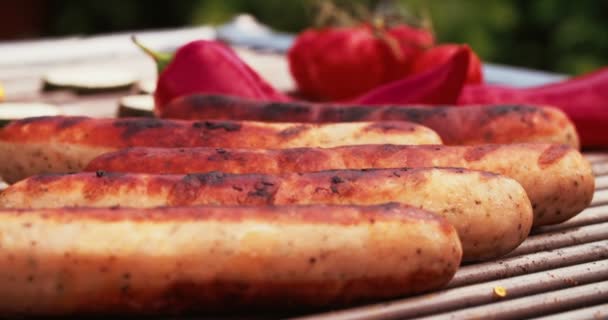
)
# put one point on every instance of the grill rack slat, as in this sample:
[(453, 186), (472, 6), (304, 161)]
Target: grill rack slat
[(601, 182), (600, 168), (553, 301), (483, 293), (588, 216), (599, 311), (563, 238), (539, 261)]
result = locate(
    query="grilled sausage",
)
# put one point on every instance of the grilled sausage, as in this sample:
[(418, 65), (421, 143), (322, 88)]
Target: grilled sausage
[(67, 144), (455, 125), (557, 178), (491, 213), (172, 260)]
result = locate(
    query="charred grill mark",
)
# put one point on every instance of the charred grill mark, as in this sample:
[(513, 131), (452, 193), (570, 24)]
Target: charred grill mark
[(68, 122), (412, 114), (219, 155), (346, 114), (488, 114), (441, 112), (265, 190), (502, 110), (477, 153), (388, 126), (389, 206), (344, 174), (187, 190), (214, 125), (277, 111), (200, 101), (293, 131), (209, 178), (335, 181), (132, 127), (552, 154)]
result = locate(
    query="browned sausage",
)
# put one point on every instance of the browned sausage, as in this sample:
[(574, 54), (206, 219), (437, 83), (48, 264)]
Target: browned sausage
[(491, 213), (557, 178), (455, 125), (172, 260), (67, 144)]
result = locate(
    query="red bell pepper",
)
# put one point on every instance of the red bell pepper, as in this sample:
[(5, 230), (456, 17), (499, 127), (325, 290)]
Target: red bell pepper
[(584, 99)]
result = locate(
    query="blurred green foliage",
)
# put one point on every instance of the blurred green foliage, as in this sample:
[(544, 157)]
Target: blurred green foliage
[(555, 35)]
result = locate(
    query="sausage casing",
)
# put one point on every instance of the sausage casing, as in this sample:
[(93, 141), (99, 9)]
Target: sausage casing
[(67, 144), (491, 213), (455, 125), (557, 178), (172, 260)]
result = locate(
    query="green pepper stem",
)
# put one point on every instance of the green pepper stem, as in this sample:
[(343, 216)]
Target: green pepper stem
[(161, 59)]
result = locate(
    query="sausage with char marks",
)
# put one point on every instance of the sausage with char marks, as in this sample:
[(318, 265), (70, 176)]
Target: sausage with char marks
[(491, 213), (455, 125), (557, 178), (67, 144)]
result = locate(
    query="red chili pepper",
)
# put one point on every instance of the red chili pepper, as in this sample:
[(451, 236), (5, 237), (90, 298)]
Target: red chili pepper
[(207, 67), (440, 54), (438, 85), (584, 99)]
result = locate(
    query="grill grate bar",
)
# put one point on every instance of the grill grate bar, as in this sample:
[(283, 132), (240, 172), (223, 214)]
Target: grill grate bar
[(599, 198), (515, 266), (554, 301), (601, 182), (595, 312), (600, 168), (480, 294), (560, 239), (588, 216)]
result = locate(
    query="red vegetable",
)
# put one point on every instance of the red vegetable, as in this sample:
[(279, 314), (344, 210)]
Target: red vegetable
[(440, 54), (441, 84), (584, 99), (341, 63), (207, 67)]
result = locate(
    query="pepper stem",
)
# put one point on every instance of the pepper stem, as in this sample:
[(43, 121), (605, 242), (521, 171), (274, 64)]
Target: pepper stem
[(161, 59), (379, 28)]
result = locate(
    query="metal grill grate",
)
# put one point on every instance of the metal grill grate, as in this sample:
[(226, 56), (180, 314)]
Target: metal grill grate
[(559, 272)]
